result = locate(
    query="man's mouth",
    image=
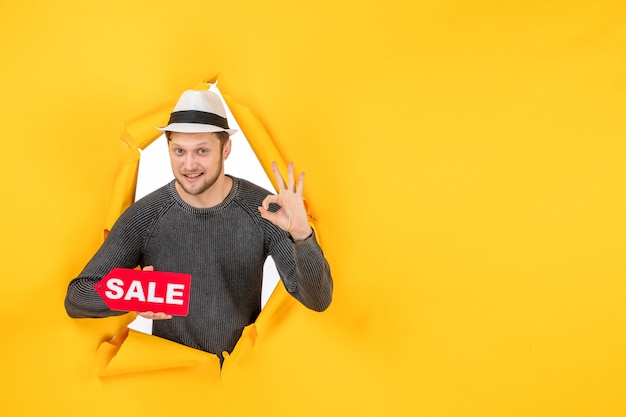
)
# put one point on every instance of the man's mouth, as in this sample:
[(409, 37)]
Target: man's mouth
[(192, 177)]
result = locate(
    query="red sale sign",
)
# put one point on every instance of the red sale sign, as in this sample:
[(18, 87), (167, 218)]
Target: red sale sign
[(134, 290)]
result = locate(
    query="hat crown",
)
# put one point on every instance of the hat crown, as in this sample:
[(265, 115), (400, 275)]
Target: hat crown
[(200, 100), (198, 111)]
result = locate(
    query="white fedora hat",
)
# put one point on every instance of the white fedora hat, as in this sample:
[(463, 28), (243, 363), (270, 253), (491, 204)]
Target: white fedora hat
[(198, 111)]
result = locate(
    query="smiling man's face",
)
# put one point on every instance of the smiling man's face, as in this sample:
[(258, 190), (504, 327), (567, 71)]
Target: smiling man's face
[(197, 161)]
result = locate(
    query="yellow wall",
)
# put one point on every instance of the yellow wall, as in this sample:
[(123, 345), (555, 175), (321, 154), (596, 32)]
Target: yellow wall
[(465, 166)]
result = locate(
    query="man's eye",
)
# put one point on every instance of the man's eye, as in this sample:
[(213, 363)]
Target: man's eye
[(202, 151), (178, 151)]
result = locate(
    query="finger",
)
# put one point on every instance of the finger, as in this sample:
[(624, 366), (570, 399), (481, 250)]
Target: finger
[(271, 198), (301, 184), (279, 178), (154, 316), (290, 178), (267, 215), (148, 268)]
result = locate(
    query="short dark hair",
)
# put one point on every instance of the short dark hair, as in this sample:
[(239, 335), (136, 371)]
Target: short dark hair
[(223, 137)]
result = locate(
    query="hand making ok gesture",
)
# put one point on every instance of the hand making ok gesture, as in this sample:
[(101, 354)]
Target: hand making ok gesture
[(292, 216)]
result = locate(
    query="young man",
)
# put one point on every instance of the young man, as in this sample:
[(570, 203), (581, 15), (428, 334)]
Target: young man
[(218, 228)]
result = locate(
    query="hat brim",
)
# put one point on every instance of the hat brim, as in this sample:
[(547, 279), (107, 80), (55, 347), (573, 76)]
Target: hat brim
[(195, 128)]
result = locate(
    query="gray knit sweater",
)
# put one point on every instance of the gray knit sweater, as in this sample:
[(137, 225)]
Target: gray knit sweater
[(222, 247)]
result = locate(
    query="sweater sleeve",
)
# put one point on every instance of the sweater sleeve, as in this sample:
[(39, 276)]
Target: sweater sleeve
[(305, 272), (121, 248)]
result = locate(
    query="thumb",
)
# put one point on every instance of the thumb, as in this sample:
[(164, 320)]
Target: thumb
[(266, 214), (269, 199), (148, 268)]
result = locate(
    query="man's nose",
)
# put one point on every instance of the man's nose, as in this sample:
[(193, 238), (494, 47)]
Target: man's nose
[(189, 161)]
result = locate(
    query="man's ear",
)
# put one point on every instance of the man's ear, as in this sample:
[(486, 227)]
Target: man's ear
[(226, 150)]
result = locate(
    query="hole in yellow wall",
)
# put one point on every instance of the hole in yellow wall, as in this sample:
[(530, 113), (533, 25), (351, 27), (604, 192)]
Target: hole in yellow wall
[(155, 171)]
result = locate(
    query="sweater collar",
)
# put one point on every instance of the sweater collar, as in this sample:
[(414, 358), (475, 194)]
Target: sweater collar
[(210, 210)]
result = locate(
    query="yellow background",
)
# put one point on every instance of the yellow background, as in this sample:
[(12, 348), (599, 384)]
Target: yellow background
[(465, 168)]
